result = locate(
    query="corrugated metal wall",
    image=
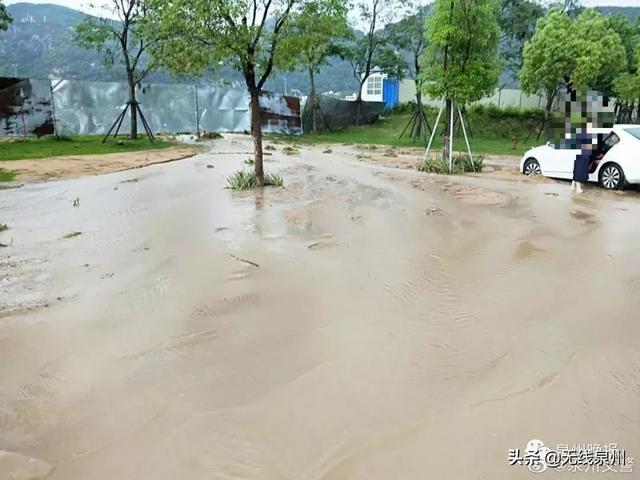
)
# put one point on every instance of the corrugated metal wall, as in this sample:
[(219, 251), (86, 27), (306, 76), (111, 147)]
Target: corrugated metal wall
[(25, 107), (33, 107)]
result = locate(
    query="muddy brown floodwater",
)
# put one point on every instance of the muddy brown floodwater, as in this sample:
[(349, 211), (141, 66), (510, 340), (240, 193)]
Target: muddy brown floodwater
[(394, 326)]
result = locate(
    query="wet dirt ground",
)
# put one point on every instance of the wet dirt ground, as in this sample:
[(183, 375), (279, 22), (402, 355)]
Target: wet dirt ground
[(365, 322)]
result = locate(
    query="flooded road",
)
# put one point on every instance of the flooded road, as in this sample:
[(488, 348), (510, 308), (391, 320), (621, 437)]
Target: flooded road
[(364, 323)]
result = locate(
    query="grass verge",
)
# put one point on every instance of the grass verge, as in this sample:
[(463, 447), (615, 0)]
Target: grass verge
[(7, 175), (245, 179), (43, 147), (492, 131)]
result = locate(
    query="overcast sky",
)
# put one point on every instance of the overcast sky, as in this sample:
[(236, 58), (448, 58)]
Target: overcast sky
[(84, 4)]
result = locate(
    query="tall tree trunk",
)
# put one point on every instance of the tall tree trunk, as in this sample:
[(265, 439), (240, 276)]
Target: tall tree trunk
[(133, 109), (447, 130), (314, 102), (547, 113), (419, 126), (256, 133), (359, 100)]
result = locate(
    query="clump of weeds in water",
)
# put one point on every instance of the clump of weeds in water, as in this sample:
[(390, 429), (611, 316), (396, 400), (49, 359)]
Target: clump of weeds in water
[(289, 150), (243, 180), (460, 164), (3, 227), (72, 234)]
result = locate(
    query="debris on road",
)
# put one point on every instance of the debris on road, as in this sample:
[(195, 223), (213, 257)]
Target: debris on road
[(244, 260)]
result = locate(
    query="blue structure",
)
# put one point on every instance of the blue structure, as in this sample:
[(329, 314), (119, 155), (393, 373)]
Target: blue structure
[(390, 92)]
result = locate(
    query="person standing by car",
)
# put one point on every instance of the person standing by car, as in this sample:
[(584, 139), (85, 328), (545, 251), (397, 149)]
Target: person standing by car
[(584, 142)]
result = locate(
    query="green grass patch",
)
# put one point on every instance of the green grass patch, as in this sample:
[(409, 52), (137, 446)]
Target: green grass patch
[(246, 179), (459, 164), (7, 175), (491, 130), (43, 147), (3, 227), (72, 235)]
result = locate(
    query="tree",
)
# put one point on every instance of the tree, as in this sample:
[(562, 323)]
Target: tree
[(314, 33), (600, 56), (547, 58), (625, 86), (408, 35), (461, 61), (246, 35), (5, 18), (585, 51), (371, 52), (517, 21), (122, 37)]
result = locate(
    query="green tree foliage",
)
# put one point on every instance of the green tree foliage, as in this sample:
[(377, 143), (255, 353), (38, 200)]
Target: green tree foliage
[(585, 50), (600, 55), (5, 18), (518, 20), (548, 57), (122, 38), (626, 86), (314, 35), (461, 60), (246, 35)]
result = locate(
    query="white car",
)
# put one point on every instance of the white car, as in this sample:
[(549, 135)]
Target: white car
[(618, 163)]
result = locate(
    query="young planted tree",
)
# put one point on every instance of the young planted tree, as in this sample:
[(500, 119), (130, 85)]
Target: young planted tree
[(314, 33), (247, 35), (371, 52), (122, 38), (408, 35), (461, 63), (5, 18), (585, 50)]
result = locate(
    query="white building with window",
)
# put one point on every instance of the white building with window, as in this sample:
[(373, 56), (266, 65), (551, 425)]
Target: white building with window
[(380, 88), (372, 88)]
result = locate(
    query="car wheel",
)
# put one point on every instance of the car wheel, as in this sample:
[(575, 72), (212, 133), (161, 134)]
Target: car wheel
[(531, 167), (612, 177)]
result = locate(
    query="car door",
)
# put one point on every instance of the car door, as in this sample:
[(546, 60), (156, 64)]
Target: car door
[(561, 158), (606, 150)]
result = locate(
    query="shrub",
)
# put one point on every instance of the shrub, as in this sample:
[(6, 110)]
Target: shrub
[(461, 164), (289, 150), (244, 179), (273, 180)]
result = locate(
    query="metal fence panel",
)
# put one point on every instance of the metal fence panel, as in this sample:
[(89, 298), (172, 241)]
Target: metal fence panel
[(90, 108), (25, 107), (87, 108), (280, 114), (223, 109), (169, 108)]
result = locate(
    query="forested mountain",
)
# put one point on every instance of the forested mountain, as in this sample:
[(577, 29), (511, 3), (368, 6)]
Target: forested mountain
[(39, 43)]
